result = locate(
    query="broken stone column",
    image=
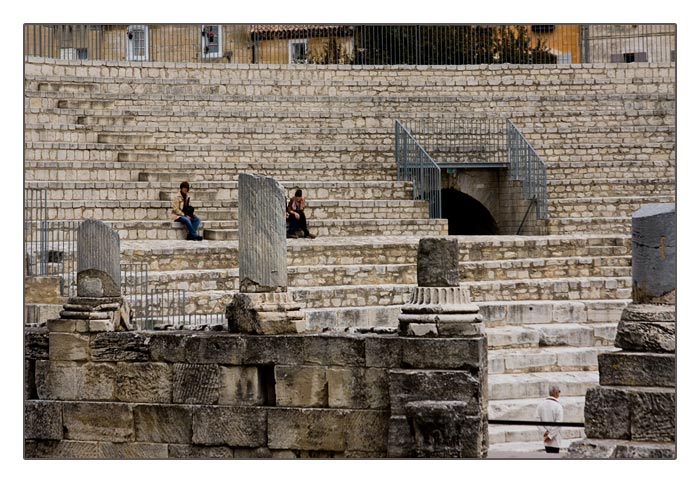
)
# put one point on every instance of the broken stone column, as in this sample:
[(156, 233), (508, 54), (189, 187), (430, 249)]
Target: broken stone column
[(438, 404), (98, 306), (632, 414), (263, 305), (439, 307)]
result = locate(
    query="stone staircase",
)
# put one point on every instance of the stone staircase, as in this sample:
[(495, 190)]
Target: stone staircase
[(116, 149)]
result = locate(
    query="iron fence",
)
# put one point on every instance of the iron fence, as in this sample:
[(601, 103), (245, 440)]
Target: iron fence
[(355, 44), (460, 141), (414, 164), (526, 166)]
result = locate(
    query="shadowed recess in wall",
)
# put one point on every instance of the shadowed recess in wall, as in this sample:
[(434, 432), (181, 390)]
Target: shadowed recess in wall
[(465, 215)]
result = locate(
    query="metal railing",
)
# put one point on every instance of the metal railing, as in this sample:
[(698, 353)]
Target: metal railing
[(420, 44), (49, 246), (458, 141), (415, 165), (526, 166)]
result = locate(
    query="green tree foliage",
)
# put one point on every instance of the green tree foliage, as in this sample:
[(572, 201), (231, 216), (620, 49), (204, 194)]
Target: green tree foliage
[(448, 45)]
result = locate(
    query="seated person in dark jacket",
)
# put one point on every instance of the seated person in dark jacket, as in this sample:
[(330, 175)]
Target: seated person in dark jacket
[(296, 217)]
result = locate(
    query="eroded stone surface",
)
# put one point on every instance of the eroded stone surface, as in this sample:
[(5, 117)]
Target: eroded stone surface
[(654, 254), (637, 369), (438, 262), (262, 234), (444, 429), (221, 425), (98, 260), (43, 420)]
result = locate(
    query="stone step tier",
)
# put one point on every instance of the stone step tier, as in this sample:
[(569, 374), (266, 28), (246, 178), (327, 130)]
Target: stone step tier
[(219, 190), (329, 275), (356, 296), (380, 250), (84, 170), (147, 210)]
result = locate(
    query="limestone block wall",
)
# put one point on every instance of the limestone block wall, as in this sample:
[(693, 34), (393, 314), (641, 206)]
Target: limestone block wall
[(220, 395)]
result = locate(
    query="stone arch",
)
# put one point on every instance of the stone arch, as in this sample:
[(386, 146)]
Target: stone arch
[(466, 215)]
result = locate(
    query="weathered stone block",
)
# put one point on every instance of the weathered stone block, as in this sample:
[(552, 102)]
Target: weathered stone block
[(68, 347), (62, 449), (36, 344), (97, 381), (400, 441), (653, 415), (163, 423), (607, 414), (241, 386), (645, 450), (637, 369), (334, 350), (307, 429), (279, 349), (194, 452), (220, 425), (438, 262), (252, 453), (57, 380), (167, 347), (271, 313), (620, 449), (654, 254), (93, 421), (367, 431), (119, 346), (301, 386), (444, 429), (43, 420), (144, 382), (214, 348), (360, 388), (383, 351), (447, 353), (433, 385), (646, 336), (63, 325), (42, 290), (122, 451), (196, 383)]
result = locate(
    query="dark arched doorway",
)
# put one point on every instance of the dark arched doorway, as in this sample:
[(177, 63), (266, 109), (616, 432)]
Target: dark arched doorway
[(466, 216)]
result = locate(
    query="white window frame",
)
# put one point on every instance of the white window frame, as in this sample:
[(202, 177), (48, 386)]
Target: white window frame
[(294, 42), (130, 55), (213, 54)]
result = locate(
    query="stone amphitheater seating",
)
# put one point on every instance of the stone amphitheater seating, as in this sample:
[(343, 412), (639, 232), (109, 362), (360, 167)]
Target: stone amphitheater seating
[(113, 140)]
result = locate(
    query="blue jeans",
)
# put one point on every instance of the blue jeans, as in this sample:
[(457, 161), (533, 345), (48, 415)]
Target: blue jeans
[(191, 225)]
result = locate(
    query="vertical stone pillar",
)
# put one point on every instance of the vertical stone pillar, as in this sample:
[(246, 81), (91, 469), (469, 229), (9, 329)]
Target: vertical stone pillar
[(632, 414), (98, 306), (98, 260), (439, 402), (263, 305)]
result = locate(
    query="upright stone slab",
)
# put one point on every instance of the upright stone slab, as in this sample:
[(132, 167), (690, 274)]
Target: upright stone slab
[(632, 413), (440, 420), (654, 254), (98, 260), (262, 245), (263, 305)]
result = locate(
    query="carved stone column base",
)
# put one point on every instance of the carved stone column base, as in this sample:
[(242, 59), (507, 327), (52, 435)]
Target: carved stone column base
[(440, 312), (93, 314), (268, 313)]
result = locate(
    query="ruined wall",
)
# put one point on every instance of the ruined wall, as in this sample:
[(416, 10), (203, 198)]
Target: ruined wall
[(210, 395)]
